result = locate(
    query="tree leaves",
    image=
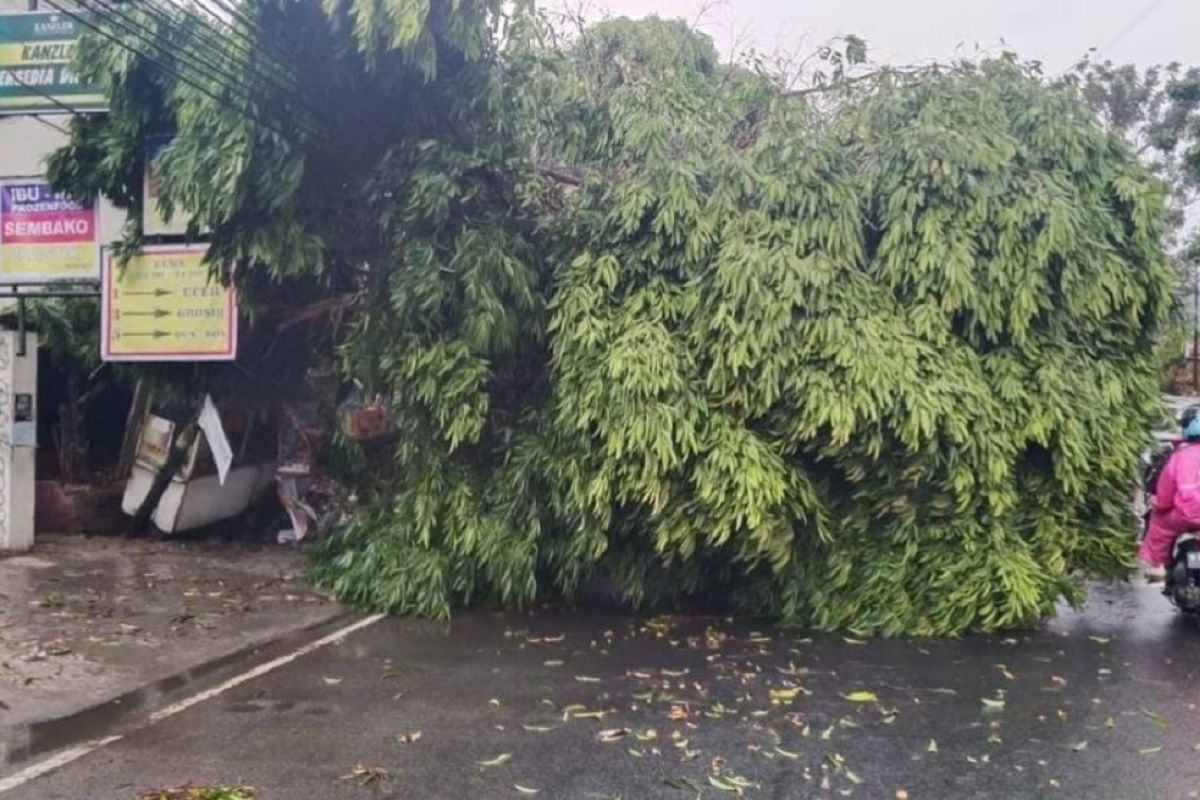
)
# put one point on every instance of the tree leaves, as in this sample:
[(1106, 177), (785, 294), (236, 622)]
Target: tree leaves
[(881, 364)]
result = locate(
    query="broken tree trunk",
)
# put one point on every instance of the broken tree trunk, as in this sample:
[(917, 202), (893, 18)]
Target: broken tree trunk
[(133, 428)]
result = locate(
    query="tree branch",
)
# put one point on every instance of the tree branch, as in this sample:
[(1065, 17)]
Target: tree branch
[(828, 87), (561, 176)]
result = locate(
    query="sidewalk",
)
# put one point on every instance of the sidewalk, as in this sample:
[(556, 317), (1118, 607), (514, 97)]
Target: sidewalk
[(84, 621)]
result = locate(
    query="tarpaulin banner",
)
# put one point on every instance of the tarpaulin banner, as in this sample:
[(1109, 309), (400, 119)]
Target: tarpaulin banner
[(45, 236), (35, 65)]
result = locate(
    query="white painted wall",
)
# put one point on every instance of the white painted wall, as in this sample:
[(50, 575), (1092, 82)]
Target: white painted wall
[(24, 144), (18, 374)]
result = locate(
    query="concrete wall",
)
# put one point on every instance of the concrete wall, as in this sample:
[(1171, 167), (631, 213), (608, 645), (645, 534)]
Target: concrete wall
[(18, 375)]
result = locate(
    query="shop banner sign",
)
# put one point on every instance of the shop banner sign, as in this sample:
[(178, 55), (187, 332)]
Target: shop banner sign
[(36, 50), (162, 306), (46, 236)]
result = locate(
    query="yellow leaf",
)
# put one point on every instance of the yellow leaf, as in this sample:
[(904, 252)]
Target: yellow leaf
[(861, 696), (722, 785)]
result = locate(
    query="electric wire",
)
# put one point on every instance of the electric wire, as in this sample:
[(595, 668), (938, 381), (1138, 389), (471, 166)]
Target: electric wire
[(240, 42), (212, 64), (150, 58)]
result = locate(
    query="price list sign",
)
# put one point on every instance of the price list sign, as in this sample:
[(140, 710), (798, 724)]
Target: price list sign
[(162, 306)]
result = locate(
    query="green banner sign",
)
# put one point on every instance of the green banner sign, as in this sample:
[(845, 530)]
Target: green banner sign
[(35, 66)]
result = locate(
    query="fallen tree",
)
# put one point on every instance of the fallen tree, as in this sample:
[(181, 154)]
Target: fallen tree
[(878, 356)]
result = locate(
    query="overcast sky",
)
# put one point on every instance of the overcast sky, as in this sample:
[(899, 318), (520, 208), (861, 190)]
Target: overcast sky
[(1056, 32)]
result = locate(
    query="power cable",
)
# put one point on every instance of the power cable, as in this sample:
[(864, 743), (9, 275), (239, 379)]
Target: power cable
[(151, 38), (240, 43), (49, 124), (42, 93), (268, 75), (191, 43), (149, 57), (211, 61), (1133, 24), (257, 39)]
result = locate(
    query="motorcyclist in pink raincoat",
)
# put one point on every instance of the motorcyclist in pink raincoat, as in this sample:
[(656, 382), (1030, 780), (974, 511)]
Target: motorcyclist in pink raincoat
[(1176, 505)]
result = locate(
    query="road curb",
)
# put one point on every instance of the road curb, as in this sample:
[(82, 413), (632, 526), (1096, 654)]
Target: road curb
[(121, 710)]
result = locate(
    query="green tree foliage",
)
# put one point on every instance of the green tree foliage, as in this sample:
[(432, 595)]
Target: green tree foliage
[(882, 363), (1156, 110)]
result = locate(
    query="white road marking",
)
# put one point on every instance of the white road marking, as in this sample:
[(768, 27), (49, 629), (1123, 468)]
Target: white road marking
[(54, 762), (75, 753)]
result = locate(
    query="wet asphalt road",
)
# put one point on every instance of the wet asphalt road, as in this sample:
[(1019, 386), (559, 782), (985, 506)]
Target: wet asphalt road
[(1094, 705)]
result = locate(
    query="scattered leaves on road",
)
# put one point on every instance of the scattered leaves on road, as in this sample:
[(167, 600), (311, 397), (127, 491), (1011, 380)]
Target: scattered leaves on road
[(498, 761), (784, 696), (407, 738), (1157, 720), (861, 696), (684, 784), (363, 775), (193, 791), (613, 734)]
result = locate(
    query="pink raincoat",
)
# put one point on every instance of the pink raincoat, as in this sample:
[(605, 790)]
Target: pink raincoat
[(1176, 505)]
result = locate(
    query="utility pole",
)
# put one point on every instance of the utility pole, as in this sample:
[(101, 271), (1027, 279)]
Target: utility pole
[(33, 5), (1195, 326)]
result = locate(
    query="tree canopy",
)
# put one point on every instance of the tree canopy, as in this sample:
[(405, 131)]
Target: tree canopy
[(881, 362), (1157, 111)]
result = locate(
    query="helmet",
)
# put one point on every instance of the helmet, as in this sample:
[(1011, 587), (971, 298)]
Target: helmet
[(1190, 423)]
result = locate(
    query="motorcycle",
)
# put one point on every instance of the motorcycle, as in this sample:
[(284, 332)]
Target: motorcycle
[(1182, 584)]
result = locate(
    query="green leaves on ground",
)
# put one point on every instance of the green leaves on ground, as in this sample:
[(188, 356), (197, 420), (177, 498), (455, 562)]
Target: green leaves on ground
[(861, 696), (200, 792)]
